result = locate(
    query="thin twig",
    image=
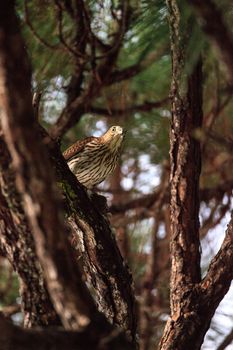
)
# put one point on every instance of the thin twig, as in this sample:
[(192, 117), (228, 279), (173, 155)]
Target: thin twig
[(118, 36), (74, 110), (129, 72), (34, 32), (75, 52)]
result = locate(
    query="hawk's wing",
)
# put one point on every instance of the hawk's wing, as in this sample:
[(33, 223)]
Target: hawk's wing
[(77, 147)]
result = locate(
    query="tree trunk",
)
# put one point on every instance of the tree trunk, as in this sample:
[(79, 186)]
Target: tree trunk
[(191, 300), (33, 154)]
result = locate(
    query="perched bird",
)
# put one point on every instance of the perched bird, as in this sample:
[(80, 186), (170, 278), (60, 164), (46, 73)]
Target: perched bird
[(94, 158)]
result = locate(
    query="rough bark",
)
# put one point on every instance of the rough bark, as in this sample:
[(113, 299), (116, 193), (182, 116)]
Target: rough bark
[(182, 330), (18, 246), (187, 330), (107, 273), (97, 249), (193, 302), (185, 171), (35, 181)]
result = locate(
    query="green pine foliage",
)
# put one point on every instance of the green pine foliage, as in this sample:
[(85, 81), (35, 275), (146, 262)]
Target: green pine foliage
[(146, 43)]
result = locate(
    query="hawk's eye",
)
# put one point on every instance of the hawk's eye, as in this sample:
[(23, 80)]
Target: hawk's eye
[(113, 128)]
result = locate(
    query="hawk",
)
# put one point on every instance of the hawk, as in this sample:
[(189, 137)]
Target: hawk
[(94, 158)]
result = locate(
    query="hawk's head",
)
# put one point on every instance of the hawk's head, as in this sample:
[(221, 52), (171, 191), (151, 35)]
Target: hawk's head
[(114, 136)]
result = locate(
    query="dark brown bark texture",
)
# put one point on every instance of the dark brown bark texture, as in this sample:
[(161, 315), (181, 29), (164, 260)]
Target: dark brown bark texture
[(34, 179), (185, 171), (29, 147), (97, 250), (18, 246), (193, 302), (37, 224)]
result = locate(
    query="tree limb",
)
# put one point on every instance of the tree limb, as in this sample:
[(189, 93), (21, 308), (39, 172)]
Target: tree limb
[(226, 341), (220, 273), (70, 296), (34, 32), (215, 27), (193, 302), (36, 183), (110, 279), (126, 73), (74, 110), (147, 201), (145, 107), (95, 336), (75, 52)]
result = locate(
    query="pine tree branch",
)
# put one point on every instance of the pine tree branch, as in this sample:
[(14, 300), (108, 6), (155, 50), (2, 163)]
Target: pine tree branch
[(147, 201), (74, 110), (113, 112), (34, 32), (193, 302), (74, 52), (131, 71), (212, 22), (226, 341), (220, 273), (29, 146), (70, 296)]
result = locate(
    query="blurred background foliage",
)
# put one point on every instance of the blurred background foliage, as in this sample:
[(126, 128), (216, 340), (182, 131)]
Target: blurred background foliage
[(142, 230)]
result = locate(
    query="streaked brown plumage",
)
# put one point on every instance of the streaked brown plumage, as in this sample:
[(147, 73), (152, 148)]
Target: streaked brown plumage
[(94, 158)]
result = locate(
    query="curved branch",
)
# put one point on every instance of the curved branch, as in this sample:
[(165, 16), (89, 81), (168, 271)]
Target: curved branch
[(81, 104), (76, 53), (34, 32)]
